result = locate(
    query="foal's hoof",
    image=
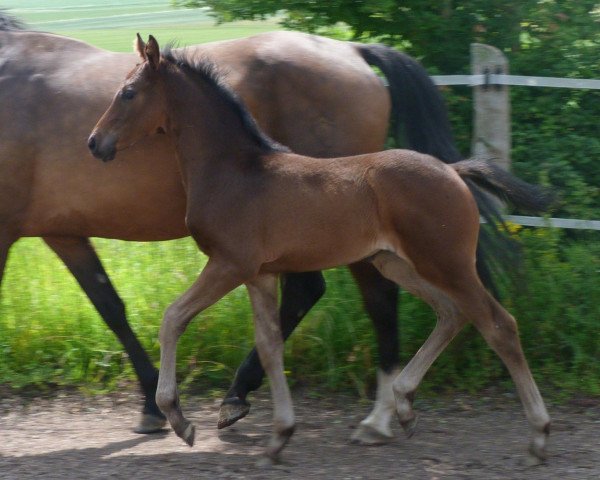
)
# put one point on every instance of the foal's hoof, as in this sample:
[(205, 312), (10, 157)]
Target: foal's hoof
[(267, 461), (367, 435), (532, 461), (232, 410), (150, 424), (537, 454), (410, 426), (189, 434)]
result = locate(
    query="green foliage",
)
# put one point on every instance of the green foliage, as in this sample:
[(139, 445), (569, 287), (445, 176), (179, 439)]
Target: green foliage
[(555, 131)]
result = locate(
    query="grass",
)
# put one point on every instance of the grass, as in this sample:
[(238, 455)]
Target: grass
[(50, 334), (112, 25)]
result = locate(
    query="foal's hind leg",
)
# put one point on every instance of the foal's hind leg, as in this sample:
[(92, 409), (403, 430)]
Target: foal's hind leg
[(465, 296), (269, 343), (80, 258), (449, 323), (500, 331)]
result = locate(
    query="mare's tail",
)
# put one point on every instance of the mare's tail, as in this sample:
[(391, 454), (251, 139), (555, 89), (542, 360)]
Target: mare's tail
[(419, 116), (418, 110)]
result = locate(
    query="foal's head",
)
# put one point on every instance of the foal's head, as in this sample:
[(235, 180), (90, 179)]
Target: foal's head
[(138, 108)]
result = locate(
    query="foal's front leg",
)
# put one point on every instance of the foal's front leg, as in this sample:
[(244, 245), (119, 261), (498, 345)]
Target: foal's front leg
[(217, 279), (269, 343)]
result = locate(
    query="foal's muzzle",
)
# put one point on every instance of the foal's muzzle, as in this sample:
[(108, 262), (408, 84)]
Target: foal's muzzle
[(104, 150)]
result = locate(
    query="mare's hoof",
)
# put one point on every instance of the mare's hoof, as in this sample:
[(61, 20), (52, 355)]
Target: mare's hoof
[(410, 426), (150, 424), (367, 435), (232, 410)]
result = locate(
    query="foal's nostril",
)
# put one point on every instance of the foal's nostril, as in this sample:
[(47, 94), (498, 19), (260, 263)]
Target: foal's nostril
[(92, 143)]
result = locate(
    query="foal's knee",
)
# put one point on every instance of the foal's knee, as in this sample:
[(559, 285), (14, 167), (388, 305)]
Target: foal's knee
[(166, 399), (172, 325)]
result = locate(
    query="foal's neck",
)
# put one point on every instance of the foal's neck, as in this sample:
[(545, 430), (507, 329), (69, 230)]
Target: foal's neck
[(209, 133)]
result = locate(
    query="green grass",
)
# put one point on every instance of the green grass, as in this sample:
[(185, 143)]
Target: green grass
[(121, 40), (50, 334), (112, 25)]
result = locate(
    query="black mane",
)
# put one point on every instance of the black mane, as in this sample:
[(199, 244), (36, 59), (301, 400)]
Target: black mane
[(8, 22), (207, 72)]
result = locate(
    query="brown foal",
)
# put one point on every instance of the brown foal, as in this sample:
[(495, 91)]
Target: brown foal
[(258, 210)]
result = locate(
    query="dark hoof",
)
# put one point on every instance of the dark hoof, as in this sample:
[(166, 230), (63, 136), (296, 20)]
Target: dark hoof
[(150, 424), (410, 426), (232, 410), (188, 433), (367, 435)]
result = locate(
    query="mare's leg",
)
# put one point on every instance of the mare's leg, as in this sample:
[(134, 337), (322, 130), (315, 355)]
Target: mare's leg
[(380, 298), (299, 292), (217, 279), (80, 258), (5, 244), (269, 343)]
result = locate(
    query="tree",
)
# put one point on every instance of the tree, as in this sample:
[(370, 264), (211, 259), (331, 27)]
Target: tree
[(558, 38)]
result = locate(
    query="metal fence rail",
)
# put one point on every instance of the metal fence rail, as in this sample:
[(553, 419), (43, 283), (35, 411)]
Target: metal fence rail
[(516, 80), (554, 222), (493, 79)]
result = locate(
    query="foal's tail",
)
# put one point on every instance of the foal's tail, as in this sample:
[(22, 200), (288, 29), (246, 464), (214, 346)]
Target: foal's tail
[(496, 252), (418, 109), (419, 116), (502, 184)]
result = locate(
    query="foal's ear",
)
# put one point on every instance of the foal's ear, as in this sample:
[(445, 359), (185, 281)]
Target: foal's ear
[(140, 47), (152, 52)]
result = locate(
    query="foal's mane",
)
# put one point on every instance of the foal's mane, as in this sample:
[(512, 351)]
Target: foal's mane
[(204, 71)]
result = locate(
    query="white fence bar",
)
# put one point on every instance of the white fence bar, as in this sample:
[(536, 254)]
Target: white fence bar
[(517, 80), (554, 222)]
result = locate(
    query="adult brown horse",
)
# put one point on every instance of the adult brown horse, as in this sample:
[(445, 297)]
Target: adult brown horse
[(258, 210), (318, 96)]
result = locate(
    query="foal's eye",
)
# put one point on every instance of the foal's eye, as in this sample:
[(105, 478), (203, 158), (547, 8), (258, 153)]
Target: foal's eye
[(127, 94)]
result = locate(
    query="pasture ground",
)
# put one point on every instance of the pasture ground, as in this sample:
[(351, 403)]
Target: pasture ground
[(70, 436)]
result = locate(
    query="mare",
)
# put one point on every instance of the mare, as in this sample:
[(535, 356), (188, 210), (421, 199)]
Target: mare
[(257, 210), (297, 87)]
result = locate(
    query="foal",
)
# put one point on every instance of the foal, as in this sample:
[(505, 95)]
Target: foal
[(258, 210)]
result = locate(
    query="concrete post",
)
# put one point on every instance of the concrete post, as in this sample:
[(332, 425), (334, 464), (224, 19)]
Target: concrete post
[(491, 105)]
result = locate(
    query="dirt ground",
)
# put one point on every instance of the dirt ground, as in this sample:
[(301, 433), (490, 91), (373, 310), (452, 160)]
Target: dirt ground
[(70, 436)]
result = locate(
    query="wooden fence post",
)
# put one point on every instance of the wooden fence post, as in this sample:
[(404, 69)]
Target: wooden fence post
[(491, 106)]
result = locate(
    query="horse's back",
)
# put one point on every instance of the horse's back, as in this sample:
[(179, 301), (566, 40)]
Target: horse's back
[(302, 89), (314, 94)]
